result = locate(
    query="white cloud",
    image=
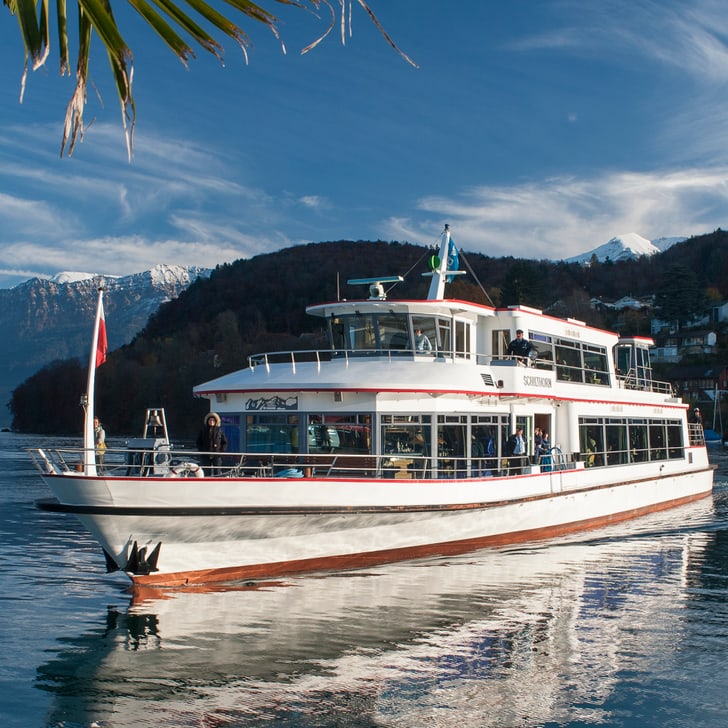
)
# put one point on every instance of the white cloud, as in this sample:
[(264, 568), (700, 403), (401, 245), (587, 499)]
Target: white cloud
[(689, 37), (560, 217), (314, 202)]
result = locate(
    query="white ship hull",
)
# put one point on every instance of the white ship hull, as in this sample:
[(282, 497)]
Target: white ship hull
[(222, 529)]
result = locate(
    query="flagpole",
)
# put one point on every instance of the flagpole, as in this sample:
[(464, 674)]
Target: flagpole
[(89, 439)]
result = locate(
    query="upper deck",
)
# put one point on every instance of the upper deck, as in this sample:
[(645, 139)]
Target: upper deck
[(377, 344)]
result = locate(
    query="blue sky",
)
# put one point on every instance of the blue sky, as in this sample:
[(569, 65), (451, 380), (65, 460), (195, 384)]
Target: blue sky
[(534, 128)]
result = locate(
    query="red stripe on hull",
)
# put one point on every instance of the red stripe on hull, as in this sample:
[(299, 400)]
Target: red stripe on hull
[(375, 558)]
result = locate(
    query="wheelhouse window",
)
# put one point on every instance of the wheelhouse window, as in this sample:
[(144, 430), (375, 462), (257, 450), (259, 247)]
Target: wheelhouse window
[(633, 365), (426, 325), (369, 333)]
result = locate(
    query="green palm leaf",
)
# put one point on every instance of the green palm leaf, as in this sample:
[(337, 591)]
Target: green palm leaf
[(171, 22)]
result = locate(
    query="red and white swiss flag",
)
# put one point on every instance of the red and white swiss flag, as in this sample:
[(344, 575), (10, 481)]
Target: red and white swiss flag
[(102, 345)]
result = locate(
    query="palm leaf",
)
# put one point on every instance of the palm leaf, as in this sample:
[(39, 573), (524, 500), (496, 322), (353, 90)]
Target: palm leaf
[(168, 19)]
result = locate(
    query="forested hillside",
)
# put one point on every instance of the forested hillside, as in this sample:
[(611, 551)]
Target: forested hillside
[(258, 305)]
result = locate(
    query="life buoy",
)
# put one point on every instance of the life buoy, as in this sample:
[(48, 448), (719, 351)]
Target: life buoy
[(187, 470)]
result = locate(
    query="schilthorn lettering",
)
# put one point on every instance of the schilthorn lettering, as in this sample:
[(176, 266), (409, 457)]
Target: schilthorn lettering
[(531, 381)]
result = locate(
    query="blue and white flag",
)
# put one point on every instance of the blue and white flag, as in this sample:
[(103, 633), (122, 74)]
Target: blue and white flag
[(453, 259)]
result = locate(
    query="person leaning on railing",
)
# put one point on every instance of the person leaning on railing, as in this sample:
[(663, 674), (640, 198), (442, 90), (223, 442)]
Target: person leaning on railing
[(519, 347)]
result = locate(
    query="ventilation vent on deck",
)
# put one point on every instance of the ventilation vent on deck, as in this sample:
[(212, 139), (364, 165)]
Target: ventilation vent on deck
[(488, 380)]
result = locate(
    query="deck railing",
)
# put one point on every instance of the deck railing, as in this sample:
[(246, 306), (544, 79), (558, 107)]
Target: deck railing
[(564, 373), (164, 462)]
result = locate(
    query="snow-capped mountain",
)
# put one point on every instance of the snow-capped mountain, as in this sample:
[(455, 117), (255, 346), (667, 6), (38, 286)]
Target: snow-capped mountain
[(48, 319), (626, 247)]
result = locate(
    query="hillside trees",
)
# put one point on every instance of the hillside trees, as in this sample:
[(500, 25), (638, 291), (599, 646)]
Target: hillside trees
[(680, 295), (523, 285)]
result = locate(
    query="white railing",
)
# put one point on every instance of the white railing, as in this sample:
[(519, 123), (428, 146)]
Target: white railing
[(165, 462)]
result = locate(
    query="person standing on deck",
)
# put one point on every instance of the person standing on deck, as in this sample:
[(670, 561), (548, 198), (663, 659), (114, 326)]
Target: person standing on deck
[(517, 451), (519, 347), (211, 442), (99, 442), (545, 454), (537, 439)]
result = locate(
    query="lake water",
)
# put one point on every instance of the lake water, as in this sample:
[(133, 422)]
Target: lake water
[(626, 626)]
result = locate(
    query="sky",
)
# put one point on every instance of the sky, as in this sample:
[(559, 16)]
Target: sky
[(534, 128)]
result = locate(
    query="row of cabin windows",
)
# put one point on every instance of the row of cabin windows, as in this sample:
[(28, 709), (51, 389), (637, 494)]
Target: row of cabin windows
[(461, 440), (619, 441), (574, 361)]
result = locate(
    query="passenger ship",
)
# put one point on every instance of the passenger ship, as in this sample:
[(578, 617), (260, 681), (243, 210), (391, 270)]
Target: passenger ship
[(384, 447)]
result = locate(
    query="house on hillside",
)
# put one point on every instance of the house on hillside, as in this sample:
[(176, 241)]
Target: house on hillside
[(698, 383), (672, 346), (626, 303), (719, 312)]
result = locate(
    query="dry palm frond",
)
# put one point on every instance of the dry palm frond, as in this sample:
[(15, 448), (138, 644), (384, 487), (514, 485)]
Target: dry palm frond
[(168, 18)]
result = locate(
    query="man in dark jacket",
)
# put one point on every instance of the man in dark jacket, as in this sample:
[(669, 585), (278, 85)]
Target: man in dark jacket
[(519, 347), (211, 442)]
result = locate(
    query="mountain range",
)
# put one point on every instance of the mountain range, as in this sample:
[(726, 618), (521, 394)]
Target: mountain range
[(627, 246), (45, 320)]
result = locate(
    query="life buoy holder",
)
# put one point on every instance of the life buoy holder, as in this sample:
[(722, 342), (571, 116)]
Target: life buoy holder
[(187, 470)]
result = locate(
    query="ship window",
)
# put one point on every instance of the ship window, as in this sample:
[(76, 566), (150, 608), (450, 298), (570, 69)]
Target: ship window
[(360, 333), (462, 339), (638, 442), (393, 332), (451, 446), (428, 327), (544, 348), (231, 427), (407, 439), (658, 443), (674, 440), (367, 333), (271, 433), (568, 361), (444, 335), (595, 365), (499, 344), (331, 433), (617, 439)]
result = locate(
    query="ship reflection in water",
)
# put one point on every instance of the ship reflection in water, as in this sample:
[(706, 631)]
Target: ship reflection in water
[(554, 633)]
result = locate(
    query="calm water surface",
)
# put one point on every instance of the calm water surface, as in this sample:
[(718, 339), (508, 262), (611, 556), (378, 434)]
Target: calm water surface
[(626, 626)]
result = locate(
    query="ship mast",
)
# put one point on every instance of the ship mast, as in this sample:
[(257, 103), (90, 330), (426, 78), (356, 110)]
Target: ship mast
[(443, 267)]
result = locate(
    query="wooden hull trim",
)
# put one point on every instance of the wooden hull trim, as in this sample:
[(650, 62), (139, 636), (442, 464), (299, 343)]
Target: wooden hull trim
[(376, 558)]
